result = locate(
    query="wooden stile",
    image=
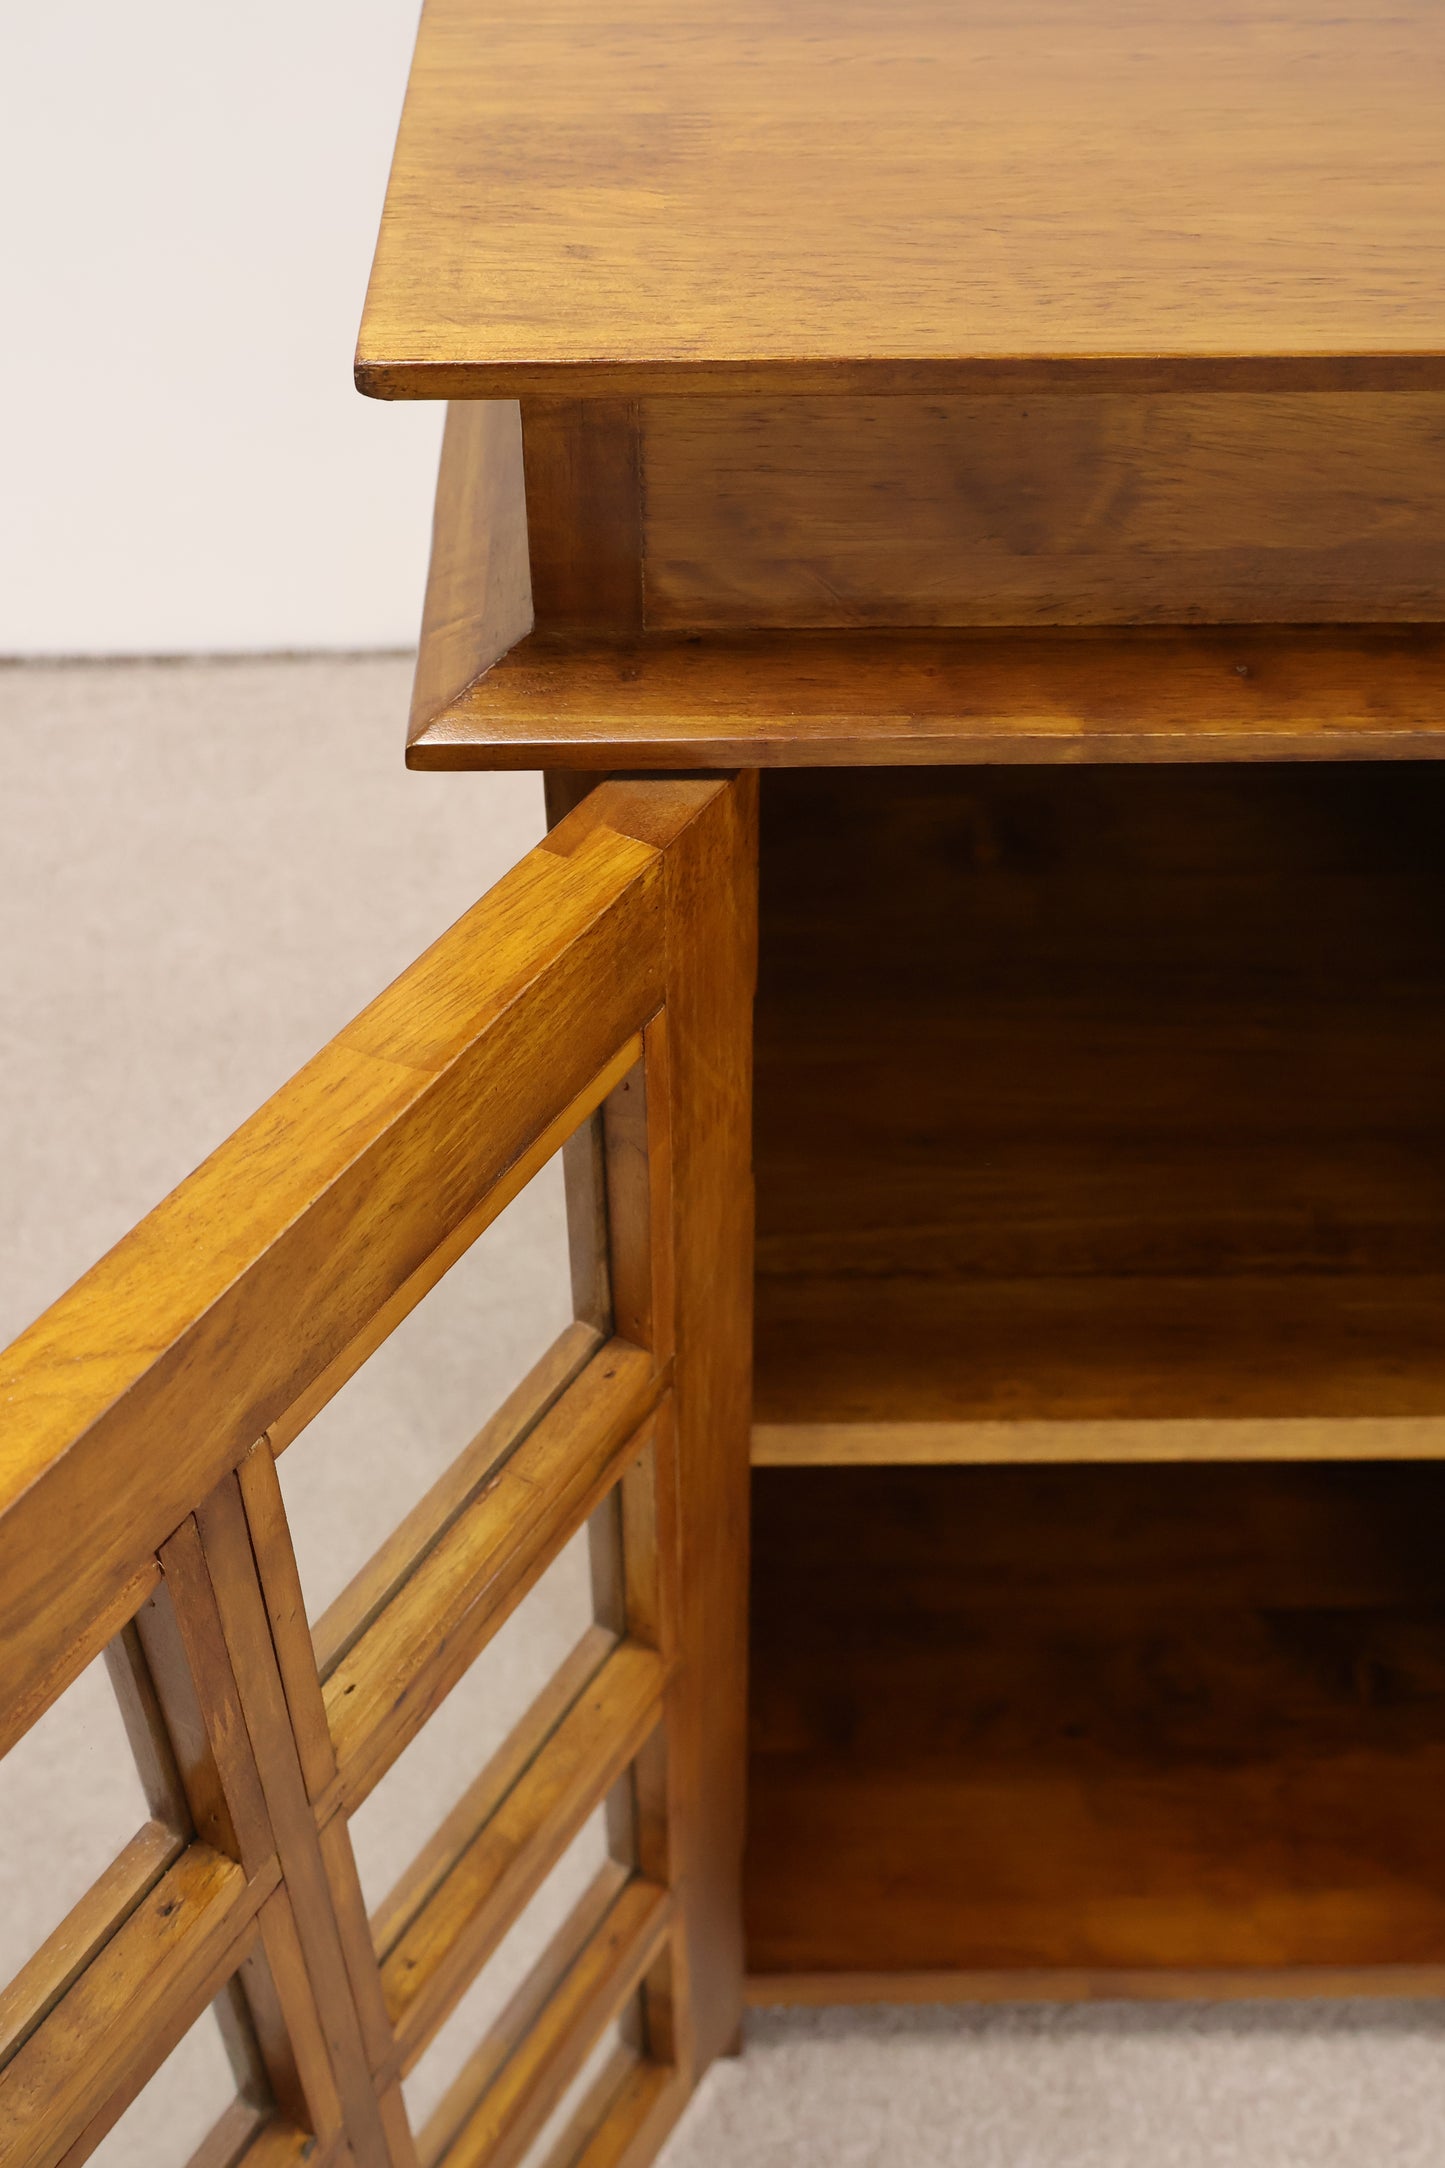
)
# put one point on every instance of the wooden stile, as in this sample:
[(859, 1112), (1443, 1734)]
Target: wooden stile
[(140, 1512)]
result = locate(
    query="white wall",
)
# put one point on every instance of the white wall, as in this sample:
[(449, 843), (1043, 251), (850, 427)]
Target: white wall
[(189, 194)]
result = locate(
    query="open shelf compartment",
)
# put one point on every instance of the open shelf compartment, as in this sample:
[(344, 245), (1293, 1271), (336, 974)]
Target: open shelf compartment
[(1097, 1730), (1101, 1114)]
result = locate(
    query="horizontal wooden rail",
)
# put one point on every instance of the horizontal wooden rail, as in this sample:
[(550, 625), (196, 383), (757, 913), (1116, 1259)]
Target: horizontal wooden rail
[(129, 2006), (257, 1281), (84, 1932), (540, 2043), (420, 1283), (623, 2117), (485, 1793), (410, 1657), (453, 1932), (868, 696), (344, 1621)]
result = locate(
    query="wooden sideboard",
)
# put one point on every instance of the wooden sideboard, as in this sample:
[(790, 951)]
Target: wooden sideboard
[(1022, 437), (953, 499)]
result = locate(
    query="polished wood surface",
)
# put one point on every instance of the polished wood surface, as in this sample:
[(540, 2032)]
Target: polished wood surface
[(267, 1277), (1109, 1097), (174, 1336), (1097, 509), (801, 197), (1145, 1721), (881, 698), (479, 586)]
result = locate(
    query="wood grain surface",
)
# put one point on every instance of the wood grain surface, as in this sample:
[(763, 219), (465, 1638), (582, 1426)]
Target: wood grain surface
[(174, 1333), (1111, 1096), (1103, 508), (155, 1396), (1148, 1720), (930, 698), (790, 195)]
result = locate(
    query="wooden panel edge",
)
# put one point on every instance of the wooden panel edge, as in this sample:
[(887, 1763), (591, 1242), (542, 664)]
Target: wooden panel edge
[(1062, 1442), (812, 1990), (901, 698), (479, 587)]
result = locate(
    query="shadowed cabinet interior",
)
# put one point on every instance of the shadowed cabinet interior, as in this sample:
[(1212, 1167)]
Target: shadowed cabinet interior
[(1100, 1119)]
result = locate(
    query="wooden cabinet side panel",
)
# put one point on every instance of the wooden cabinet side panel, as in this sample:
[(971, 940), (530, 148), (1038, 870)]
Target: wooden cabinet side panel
[(479, 590), (710, 868), (712, 933)]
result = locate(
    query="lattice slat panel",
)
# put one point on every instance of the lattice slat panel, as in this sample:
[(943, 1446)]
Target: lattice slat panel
[(140, 1512)]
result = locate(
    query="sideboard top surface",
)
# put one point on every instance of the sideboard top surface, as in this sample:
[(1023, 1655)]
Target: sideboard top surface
[(619, 196)]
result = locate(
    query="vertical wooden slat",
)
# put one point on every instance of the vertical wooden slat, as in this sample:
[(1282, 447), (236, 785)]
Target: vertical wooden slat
[(584, 1176), (364, 1977), (636, 1121), (242, 1613), (286, 1614), (145, 1728), (711, 890), (680, 1222), (289, 2033), (195, 1685)]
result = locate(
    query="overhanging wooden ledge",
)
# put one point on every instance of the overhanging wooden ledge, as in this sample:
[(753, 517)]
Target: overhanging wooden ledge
[(886, 698)]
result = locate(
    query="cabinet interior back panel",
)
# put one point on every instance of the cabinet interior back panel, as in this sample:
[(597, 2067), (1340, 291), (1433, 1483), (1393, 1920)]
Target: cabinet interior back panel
[(1065, 509)]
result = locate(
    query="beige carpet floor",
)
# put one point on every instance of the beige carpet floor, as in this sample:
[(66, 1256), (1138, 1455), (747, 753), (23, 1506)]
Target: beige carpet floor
[(205, 868)]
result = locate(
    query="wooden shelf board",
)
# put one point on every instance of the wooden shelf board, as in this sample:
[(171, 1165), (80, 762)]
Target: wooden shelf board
[(1059, 1443), (1099, 1114), (1110, 1354), (817, 699), (1096, 1721)]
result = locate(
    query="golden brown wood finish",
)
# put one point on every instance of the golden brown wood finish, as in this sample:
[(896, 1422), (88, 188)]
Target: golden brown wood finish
[(404, 1299), (624, 2118), (357, 1607), (584, 513), (543, 2039), (885, 698), (449, 1937), (468, 1583), (479, 590), (811, 200), (700, 1230), (136, 1997), (517, 1009), (519, 2017), (48, 1680), (527, 1738), (430, 1111), (1099, 1113), (1097, 509), (83, 1933), (1161, 1722), (240, 1606)]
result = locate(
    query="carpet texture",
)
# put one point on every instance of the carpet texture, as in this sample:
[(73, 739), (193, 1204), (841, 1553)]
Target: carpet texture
[(205, 869)]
